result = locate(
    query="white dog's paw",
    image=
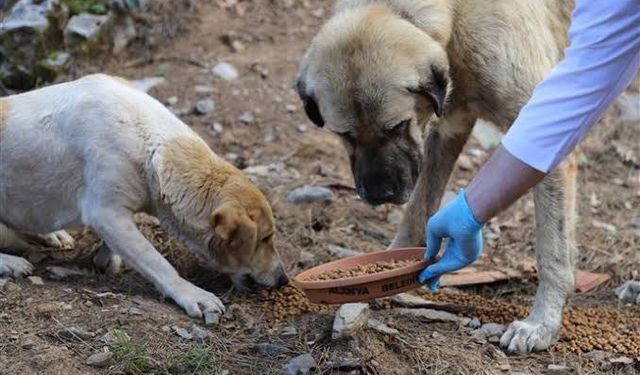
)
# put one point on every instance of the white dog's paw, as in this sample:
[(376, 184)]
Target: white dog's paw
[(59, 240), (197, 302), (528, 335), (629, 291), (11, 265), (106, 261)]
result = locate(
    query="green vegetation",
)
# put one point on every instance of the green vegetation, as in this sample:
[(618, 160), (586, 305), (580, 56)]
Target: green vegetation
[(196, 360), (131, 356), (91, 6)]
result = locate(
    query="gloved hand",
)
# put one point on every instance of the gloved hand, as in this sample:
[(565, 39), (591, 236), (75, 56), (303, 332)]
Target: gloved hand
[(456, 222)]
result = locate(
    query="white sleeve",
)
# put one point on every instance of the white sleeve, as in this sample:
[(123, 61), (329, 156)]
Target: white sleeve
[(600, 62)]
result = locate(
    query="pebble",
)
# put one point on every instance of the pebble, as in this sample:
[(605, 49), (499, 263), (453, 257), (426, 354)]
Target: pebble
[(83, 26), (225, 71), (475, 323), (299, 365), (205, 106), (309, 194), (182, 332), (433, 315), (135, 311), (172, 100), (349, 319), (435, 334), (302, 128), (217, 127), (307, 259), (489, 330), (342, 252), (27, 344), (75, 333), (380, 327), (199, 334), (203, 89), (290, 108), (211, 319), (560, 370), (100, 359), (621, 361), (247, 118), (288, 331), (3, 282), (269, 349), (60, 273), (395, 216)]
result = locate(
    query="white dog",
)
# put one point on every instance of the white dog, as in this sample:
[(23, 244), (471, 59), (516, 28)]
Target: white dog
[(94, 152)]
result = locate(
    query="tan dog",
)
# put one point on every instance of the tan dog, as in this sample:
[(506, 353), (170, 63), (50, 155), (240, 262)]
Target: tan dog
[(379, 70), (94, 152)]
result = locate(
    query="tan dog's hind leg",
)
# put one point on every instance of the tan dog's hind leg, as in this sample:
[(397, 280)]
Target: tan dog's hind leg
[(442, 147), (555, 256)]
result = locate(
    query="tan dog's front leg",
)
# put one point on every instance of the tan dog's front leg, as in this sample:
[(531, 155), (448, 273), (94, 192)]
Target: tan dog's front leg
[(555, 256), (122, 236), (440, 154)]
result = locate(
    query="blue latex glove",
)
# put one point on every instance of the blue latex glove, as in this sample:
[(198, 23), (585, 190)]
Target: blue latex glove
[(456, 222)]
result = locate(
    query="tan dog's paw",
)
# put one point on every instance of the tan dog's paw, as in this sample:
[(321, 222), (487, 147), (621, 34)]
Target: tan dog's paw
[(59, 240), (106, 261), (11, 265), (197, 302)]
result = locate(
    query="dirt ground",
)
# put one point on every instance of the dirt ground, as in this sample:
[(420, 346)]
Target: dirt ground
[(35, 320)]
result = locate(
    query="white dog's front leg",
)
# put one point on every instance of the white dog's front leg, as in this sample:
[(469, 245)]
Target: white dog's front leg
[(122, 236), (11, 265)]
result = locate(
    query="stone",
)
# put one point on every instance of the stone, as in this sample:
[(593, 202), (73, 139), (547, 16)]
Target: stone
[(203, 89), (56, 61), (474, 323), (182, 332), (624, 361), (432, 315), (146, 84), (269, 349), (289, 331), (211, 319), (302, 128), (349, 319), (465, 163), (123, 32), (597, 355), (489, 330), (199, 334), (395, 216), (135, 311), (247, 118), (100, 359), (3, 282), (61, 273), (225, 71), (435, 334), (309, 194), (27, 14), (83, 27), (307, 259), (629, 291), (172, 100), (380, 327), (36, 280), (290, 108), (205, 106), (218, 128), (560, 370), (342, 252), (299, 365), (27, 344), (75, 333), (486, 134), (409, 300)]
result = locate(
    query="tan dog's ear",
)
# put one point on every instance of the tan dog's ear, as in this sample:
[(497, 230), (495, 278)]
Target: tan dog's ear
[(233, 225), (436, 89)]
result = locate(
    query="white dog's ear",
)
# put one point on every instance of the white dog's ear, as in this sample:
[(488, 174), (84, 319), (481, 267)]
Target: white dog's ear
[(435, 86)]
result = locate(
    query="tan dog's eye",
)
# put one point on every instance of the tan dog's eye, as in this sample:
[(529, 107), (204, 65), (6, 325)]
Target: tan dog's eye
[(399, 127)]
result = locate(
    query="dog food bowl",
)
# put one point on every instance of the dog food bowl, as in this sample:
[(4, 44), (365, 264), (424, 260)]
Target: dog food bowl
[(363, 287)]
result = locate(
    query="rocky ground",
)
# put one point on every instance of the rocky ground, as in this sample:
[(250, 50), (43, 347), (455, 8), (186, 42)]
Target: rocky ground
[(229, 76)]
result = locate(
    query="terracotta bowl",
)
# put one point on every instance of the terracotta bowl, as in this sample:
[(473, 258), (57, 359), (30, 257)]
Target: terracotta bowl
[(365, 287)]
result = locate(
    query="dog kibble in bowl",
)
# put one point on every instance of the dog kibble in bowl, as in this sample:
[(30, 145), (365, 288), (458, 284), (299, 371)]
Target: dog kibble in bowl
[(364, 269)]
